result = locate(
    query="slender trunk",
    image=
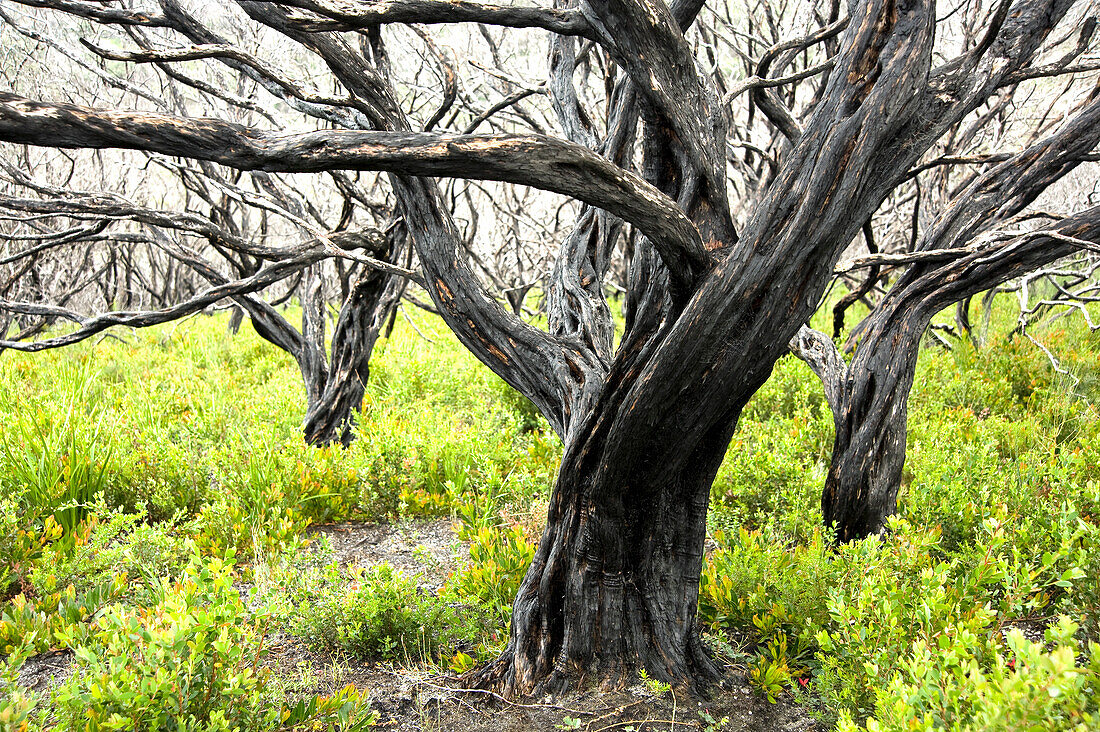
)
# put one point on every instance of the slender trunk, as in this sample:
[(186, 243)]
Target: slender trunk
[(861, 488), (869, 404), (373, 298)]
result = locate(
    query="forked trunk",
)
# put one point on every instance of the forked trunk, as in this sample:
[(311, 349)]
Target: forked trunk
[(869, 401), (373, 298)]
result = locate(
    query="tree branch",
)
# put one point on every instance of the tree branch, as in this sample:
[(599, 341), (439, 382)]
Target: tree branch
[(345, 16), (541, 162)]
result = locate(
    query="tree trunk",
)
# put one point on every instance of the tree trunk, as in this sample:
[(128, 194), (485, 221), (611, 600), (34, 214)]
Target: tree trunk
[(861, 488), (330, 417), (870, 400), (614, 584)]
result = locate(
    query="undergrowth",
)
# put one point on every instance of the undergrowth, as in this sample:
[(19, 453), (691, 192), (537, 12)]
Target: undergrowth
[(146, 480)]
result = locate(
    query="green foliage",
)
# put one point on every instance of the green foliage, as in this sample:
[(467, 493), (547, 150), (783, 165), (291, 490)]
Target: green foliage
[(378, 613), (499, 558), (969, 683), (24, 533), (56, 619), (111, 544), (56, 461), (17, 704), (848, 618), (751, 575), (190, 661), (192, 439), (772, 474)]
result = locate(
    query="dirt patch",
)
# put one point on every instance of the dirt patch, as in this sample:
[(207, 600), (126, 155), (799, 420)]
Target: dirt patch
[(420, 700), (426, 550), (46, 671)]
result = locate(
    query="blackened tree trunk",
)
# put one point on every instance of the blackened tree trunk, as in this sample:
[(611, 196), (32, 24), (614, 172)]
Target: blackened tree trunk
[(869, 398), (372, 301), (614, 584)]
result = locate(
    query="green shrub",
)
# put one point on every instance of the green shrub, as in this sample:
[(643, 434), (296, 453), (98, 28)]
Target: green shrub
[(970, 683), (56, 619), (378, 613), (17, 703), (843, 620), (750, 574), (191, 661), (905, 595), (113, 544), (24, 534), (158, 478), (499, 559)]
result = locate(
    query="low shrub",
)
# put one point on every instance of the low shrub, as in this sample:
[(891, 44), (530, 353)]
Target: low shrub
[(843, 620), (193, 660), (24, 534), (499, 559), (379, 613), (972, 683), (112, 544)]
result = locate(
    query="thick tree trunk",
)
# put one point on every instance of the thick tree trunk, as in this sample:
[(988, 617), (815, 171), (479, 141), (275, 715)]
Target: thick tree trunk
[(614, 584)]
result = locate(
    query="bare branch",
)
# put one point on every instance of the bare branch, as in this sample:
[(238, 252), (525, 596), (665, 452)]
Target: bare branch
[(542, 162), (345, 16)]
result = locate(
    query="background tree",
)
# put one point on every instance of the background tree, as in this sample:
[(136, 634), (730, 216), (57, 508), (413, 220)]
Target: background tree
[(136, 233), (986, 232), (720, 276)]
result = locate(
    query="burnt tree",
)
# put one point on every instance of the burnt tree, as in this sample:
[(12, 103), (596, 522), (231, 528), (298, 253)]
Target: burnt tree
[(712, 304), (162, 267), (982, 239)]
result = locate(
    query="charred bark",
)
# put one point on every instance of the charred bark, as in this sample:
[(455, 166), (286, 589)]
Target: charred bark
[(871, 412), (372, 301), (614, 584), (871, 396)]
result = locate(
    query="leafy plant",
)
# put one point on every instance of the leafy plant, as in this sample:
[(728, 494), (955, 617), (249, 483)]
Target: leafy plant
[(191, 661), (378, 613), (23, 536), (969, 683), (56, 619), (56, 462), (499, 559), (17, 703)]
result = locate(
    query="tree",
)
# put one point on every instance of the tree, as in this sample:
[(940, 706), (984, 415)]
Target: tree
[(868, 396), (125, 243), (102, 249), (711, 304)]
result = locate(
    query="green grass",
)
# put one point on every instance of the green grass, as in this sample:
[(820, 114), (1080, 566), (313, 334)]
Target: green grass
[(130, 463)]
